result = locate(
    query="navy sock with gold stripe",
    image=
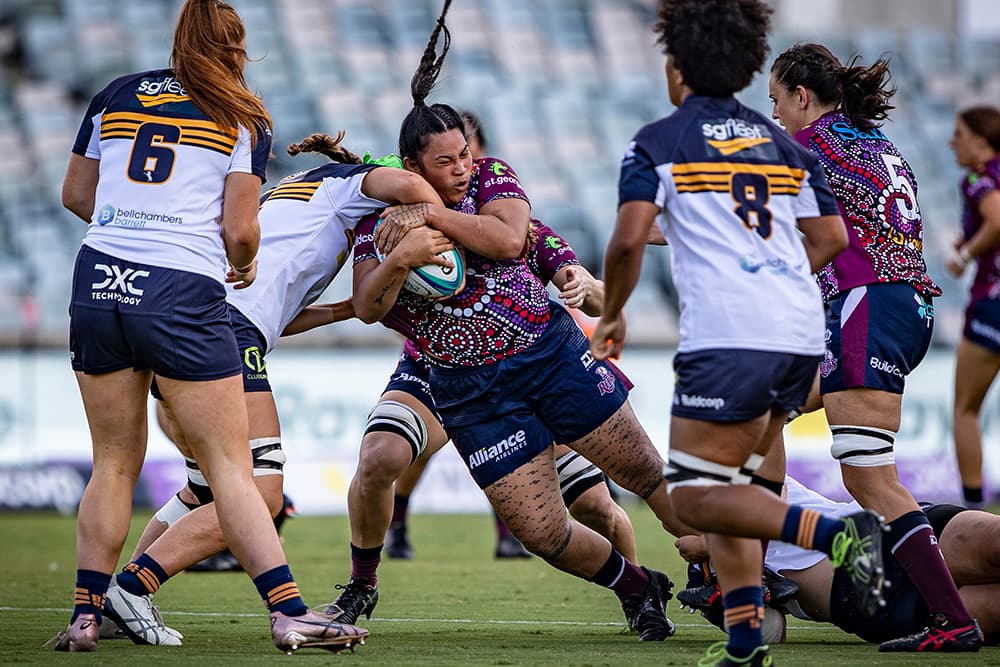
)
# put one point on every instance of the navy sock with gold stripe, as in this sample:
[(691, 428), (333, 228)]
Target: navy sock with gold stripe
[(91, 589), (809, 529), (143, 576), (744, 615), (279, 591)]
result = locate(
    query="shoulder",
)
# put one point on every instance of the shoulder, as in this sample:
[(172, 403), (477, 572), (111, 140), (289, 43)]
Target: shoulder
[(494, 167), (129, 84)]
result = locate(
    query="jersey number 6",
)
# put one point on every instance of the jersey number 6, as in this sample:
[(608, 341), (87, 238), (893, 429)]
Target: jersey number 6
[(152, 161)]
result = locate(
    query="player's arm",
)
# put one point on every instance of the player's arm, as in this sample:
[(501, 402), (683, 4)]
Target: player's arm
[(985, 239), (377, 284), (398, 186), (318, 315), (497, 232), (824, 238), (240, 227), (79, 189), (578, 288)]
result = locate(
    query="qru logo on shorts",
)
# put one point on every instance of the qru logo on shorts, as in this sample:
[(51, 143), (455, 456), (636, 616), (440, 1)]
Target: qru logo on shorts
[(828, 365), (106, 215), (607, 383)]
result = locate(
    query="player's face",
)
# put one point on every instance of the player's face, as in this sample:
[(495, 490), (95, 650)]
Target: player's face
[(788, 108), (963, 143), (446, 164), (675, 83)]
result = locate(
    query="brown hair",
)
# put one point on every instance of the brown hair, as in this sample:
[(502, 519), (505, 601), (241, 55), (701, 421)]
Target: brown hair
[(328, 146), (208, 57), (984, 121), (861, 92)]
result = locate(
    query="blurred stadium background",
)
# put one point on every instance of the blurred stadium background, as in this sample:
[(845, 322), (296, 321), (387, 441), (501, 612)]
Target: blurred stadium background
[(561, 86)]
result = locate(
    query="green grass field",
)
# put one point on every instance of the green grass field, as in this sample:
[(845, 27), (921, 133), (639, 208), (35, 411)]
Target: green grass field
[(453, 605)]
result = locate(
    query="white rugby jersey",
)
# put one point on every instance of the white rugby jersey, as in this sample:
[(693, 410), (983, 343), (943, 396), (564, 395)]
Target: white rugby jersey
[(731, 185), (163, 165), (781, 556), (307, 231)]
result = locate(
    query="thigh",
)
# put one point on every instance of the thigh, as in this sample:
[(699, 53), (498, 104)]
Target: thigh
[(975, 369), (862, 406), (528, 499), (118, 427)]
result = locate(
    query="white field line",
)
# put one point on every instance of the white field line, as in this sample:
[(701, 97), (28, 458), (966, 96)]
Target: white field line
[(464, 621)]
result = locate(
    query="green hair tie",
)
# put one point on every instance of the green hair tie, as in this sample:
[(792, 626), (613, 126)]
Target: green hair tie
[(390, 160)]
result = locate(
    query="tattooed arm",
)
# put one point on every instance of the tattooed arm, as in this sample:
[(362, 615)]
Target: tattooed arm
[(377, 284)]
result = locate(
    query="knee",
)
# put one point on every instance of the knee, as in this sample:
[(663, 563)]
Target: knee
[(599, 516), (383, 459)]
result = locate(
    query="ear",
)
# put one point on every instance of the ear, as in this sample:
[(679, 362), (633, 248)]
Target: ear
[(412, 165), (804, 96)]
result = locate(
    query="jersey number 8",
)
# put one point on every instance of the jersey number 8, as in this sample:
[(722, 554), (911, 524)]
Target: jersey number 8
[(751, 192)]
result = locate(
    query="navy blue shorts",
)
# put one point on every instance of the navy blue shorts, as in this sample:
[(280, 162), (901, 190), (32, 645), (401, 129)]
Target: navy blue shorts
[(982, 324), (131, 315), (413, 377), (738, 385), (876, 335), (252, 346), (502, 415)]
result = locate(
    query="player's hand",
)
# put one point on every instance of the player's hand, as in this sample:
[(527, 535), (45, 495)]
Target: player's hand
[(608, 338), (692, 548), (421, 246), (958, 260), (396, 222), (242, 277), (577, 288)]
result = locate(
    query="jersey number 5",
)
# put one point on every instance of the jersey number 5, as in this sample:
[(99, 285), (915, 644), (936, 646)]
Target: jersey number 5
[(152, 161), (752, 193)]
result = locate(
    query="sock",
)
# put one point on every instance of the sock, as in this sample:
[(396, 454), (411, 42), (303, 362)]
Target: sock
[(912, 542), (400, 507), (973, 496), (143, 576), (623, 577), (279, 591), (91, 589), (809, 529), (364, 563), (744, 615), (503, 531)]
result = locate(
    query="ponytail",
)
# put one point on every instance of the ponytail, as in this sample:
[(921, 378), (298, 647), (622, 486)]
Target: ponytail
[(866, 93), (328, 146), (860, 92), (208, 57), (422, 120)]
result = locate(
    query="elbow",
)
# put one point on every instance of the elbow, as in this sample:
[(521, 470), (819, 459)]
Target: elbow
[(366, 313), (510, 248)]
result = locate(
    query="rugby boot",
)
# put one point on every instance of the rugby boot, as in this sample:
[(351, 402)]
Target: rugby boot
[(939, 636), (777, 589), (509, 546), (858, 549), (310, 630), (358, 597), (706, 598), (718, 656), (649, 610), (397, 542), (138, 618), (80, 637), (223, 561)]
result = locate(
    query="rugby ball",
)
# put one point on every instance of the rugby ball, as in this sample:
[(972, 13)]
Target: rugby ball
[(433, 281)]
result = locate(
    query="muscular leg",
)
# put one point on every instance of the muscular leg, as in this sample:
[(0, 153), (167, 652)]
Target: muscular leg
[(975, 369), (118, 431), (877, 487), (622, 449), (384, 457), (198, 535), (970, 544), (213, 416)]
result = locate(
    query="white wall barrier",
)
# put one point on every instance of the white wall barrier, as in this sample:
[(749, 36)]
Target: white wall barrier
[(324, 398)]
